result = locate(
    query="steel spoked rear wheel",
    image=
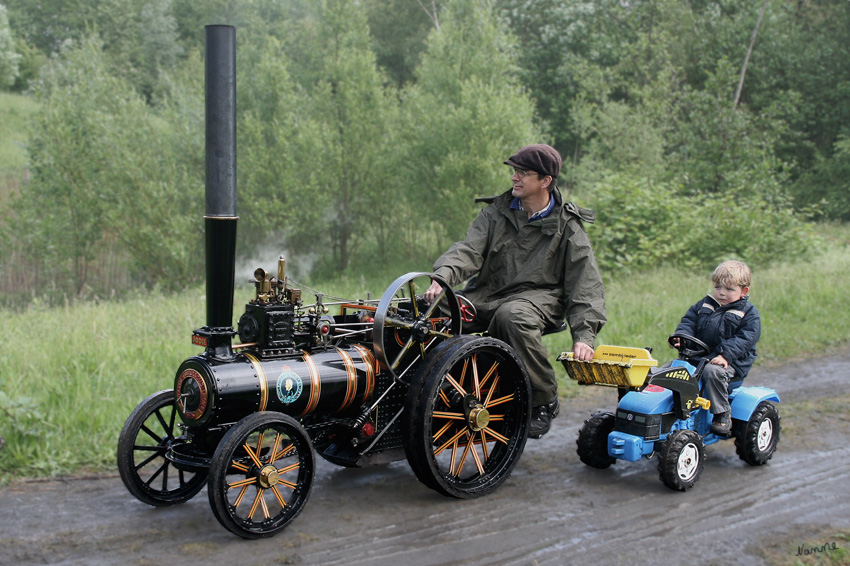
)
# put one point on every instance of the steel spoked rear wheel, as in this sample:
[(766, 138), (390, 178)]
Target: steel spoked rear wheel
[(143, 444), (261, 475), (468, 412)]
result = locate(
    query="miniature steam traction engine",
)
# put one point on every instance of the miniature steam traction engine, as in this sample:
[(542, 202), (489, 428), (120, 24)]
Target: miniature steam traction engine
[(357, 382)]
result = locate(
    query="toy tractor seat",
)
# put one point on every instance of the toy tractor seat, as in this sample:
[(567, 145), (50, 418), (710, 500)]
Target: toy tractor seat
[(613, 366)]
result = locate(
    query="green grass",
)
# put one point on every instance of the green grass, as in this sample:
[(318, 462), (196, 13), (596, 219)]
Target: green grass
[(70, 376), (820, 546)]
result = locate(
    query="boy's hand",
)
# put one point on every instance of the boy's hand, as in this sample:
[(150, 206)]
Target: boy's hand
[(675, 343), (719, 361)]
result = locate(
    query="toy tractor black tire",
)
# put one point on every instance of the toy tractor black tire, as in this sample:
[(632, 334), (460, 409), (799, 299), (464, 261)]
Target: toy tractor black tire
[(592, 441), (467, 415), (261, 475), (681, 460), (143, 443), (756, 440)]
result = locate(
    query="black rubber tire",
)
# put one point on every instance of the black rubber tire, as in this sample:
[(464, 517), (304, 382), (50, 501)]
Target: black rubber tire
[(681, 460), (592, 441), (756, 440), (142, 444), (447, 449), (237, 486)]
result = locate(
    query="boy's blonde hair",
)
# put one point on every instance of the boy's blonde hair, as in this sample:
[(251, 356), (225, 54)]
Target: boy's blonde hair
[(732, 272)]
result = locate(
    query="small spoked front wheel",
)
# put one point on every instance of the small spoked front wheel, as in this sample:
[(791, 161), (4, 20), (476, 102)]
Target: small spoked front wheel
[(149, 433), (468, 410), (261, 475), (681, 460)]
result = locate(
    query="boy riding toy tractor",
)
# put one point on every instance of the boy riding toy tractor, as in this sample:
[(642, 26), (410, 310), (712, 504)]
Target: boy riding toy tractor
[(661, 412)]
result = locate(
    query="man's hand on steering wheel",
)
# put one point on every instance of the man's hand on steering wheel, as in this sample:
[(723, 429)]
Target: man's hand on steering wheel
[(433, 291)]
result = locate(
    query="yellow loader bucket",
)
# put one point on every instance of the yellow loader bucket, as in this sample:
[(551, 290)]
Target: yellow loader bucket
[(615, 366)]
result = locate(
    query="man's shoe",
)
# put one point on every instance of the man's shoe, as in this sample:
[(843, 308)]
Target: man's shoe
[(541, 418), (722, 424)]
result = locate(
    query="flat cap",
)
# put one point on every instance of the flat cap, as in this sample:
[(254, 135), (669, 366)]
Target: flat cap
[(539, 157)]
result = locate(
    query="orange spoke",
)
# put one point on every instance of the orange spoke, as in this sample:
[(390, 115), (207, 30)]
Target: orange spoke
[(456, 471), (260, 437), (492, 389), (275, 446), (442, 431), (445, 398), (239, 466), (448, 415), (484, 448), (499, 437), (455, 384), (497, 418), (240, 496), (490, 373), (256, 503), (289, 468), (279, 496), (449, 441), (477, 458), (463, 371), (289, 484), (476, 385), (283, 453), (266, 513), (241, 483), (253, 456), (454, 456), (500, 401)]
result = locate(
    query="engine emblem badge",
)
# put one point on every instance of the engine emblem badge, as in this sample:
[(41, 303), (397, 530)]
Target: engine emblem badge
[(289, 386)]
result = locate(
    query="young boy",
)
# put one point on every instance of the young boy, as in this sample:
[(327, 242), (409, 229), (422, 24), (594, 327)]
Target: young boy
[(730, 325)]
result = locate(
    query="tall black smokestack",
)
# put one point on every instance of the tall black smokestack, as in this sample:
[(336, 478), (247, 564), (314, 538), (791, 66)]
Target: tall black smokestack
[(220, 216)]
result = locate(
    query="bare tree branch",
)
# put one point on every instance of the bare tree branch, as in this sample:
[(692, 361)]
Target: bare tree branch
[(747, 58), (432, 15)]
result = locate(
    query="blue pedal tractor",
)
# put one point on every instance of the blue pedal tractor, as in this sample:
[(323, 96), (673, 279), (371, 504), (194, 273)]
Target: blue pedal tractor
[(661, 412)]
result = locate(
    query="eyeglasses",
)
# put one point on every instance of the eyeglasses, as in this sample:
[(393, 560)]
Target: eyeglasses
[(520, 172)]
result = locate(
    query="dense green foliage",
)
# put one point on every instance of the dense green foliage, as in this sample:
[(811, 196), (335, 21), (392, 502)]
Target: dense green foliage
[(697, 129)]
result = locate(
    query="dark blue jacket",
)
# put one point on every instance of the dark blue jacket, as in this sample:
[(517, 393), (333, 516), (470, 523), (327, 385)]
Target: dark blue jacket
[(730, 331)]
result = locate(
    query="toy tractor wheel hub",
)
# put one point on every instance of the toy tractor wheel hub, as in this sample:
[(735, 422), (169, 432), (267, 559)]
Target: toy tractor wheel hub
[(688, 462), (479, 418), (268, 476)]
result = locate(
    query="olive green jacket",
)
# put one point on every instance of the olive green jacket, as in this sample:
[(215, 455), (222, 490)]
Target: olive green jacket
[(548, 262)]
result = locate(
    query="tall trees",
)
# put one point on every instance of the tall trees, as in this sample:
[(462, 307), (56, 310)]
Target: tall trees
[(367, 128), (465, 114), (347, 141), (106, 168), (9, 57)]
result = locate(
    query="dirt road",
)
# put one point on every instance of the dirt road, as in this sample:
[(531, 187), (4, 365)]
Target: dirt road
[(553, 510)]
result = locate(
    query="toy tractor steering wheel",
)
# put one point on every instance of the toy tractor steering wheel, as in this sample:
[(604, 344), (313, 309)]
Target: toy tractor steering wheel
[(689, 346)]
